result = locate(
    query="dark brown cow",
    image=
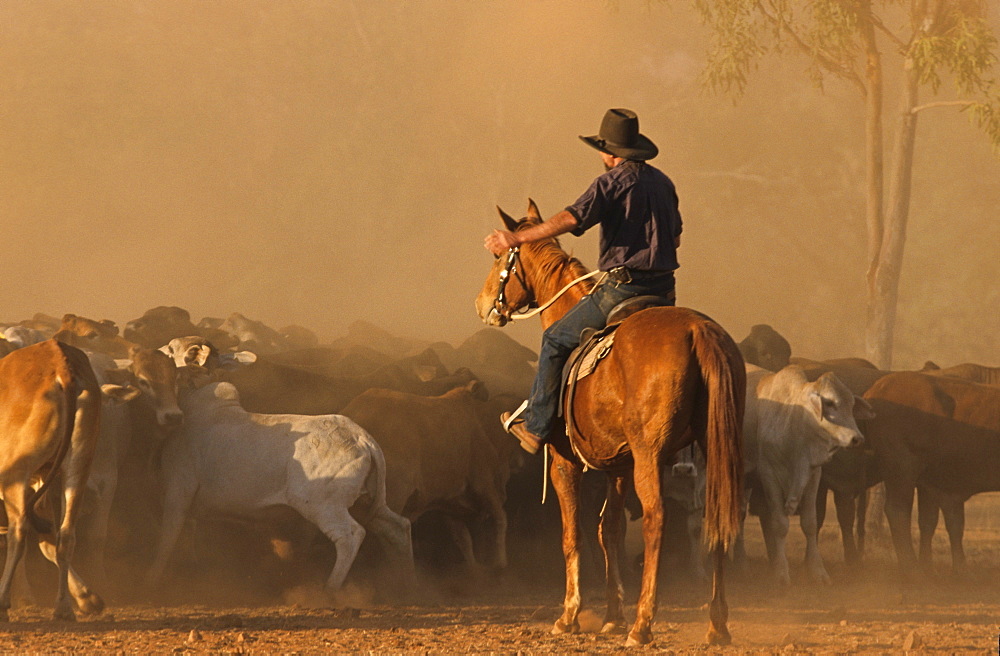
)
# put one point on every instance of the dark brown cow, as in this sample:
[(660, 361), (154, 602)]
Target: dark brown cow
[(931, 501), (268, 387), (438, 456), (765, 347), (932, 431), (159, 325), (49, 421)]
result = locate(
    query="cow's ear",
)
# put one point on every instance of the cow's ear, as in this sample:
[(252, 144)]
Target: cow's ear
[(119, 393), (863, 410), (816, 403), (508, 221), (119, 376), (201, 355), (233, 361), (132, 350), (533, 212)]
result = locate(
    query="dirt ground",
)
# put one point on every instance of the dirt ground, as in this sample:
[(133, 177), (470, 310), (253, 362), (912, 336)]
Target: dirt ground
[(512, 612)]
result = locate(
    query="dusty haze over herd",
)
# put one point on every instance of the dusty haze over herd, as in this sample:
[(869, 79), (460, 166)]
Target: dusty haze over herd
[(319, 163)]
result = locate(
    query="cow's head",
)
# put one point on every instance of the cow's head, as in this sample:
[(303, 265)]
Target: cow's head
[(153, 373), (192, 350), (836, 410)]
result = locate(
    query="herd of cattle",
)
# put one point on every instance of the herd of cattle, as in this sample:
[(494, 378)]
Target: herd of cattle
[(231, 420)]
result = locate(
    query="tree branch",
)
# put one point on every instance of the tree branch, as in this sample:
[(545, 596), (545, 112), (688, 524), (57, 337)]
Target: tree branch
[(877, 22), (942, 103), (826, 61)]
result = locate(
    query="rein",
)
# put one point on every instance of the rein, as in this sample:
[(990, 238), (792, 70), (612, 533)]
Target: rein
[(513, 257)]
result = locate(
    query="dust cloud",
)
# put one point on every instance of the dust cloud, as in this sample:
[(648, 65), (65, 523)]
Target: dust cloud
[(321, 162)]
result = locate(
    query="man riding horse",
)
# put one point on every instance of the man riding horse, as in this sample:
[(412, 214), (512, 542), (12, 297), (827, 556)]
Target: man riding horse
[(636, 207)]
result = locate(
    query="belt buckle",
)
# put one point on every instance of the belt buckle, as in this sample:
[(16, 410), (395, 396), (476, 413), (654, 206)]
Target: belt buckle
[(621, 275)]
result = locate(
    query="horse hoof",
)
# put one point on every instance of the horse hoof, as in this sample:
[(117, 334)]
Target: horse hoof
[(639, 638), (90, 604), (561, 627), (614, 628), (718, 638), (64, 616)]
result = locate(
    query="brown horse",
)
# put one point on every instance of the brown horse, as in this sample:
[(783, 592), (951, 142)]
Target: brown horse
[(673, 377)]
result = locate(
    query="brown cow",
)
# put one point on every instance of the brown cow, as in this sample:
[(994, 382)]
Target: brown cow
[(97, 336), (438, 456), (931, 501), (49, 422), (934, 431)]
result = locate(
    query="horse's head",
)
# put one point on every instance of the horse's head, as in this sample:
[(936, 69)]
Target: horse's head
[(506, 289)]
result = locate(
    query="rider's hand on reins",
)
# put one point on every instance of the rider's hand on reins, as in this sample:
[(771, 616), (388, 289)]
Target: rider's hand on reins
[(500, 241)]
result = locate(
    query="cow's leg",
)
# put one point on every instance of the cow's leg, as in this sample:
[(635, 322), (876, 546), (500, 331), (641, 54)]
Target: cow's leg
[(462, 538), (928, 507), (92, 532), (862, 518), (611, 529), (88, 601), (66, 543), (807, 520), (694, 525), (821, 497), (498, 521), (774, 526), (844, 503), (176, 503), (393, 532), (566, 478), (345, 533), (899, 514), (14, 502), (648, 486), (953, 508)]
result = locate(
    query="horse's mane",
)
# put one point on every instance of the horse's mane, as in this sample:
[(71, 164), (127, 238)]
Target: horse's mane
[(550, 259)]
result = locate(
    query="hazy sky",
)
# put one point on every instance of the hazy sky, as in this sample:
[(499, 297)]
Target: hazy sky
[(319, 162)]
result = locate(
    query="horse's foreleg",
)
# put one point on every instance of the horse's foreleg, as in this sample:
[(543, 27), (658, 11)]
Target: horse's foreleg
[(611, 530), (566, 478), (650, 490)]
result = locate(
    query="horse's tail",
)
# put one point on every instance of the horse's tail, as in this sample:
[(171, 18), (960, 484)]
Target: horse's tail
[(724, 374)]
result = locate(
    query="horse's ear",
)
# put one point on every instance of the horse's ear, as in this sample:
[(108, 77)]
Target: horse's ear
[(533, 212), (509, 222)]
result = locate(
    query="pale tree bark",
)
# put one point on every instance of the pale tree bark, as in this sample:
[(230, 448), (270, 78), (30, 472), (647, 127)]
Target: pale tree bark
[(873, 144), (884, 292)]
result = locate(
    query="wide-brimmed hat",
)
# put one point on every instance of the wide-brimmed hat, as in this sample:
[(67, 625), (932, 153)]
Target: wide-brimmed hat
[(619, 136)]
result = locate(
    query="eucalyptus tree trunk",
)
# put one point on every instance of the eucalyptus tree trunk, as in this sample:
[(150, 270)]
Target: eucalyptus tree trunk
[(874, 143), (884, 290)]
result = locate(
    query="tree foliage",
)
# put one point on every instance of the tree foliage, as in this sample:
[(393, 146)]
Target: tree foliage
[(945, 39)]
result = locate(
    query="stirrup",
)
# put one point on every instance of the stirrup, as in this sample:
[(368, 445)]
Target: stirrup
[(513, 418)]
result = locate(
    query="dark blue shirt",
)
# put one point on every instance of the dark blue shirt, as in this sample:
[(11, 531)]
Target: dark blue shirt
[(636, 206)]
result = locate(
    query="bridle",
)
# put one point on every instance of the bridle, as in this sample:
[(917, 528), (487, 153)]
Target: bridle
[(510, 267)]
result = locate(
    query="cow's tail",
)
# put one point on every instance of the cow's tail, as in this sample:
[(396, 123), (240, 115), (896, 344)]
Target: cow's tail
[(375, 482), (724, 374), (68, 395)]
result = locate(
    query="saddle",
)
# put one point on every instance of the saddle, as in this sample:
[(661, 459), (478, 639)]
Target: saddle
[(595, 345)]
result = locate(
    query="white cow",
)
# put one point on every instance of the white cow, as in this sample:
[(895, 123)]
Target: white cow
[(227, 462), (790, 428)]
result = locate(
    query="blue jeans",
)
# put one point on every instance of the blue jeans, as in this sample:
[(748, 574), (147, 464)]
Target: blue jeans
[(559, 340)]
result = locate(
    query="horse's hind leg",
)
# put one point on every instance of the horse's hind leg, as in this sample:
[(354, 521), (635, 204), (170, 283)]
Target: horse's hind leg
[(566, 481), (611, 530), (650, 490)]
